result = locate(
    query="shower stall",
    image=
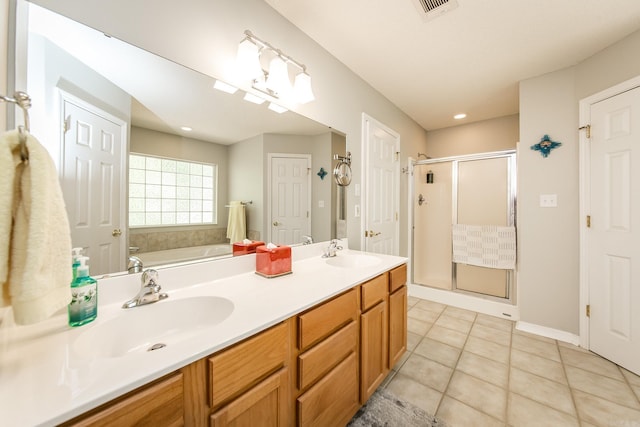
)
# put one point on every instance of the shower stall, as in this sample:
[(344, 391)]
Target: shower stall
[(474, 192)]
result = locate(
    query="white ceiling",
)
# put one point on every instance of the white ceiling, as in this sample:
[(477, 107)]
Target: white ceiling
[(467, 60)]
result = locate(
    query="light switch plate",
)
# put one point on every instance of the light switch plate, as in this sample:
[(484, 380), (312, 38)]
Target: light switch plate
[(357, 211), (548, 200), (321, 203)]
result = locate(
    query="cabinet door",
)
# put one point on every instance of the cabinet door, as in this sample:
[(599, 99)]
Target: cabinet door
[(266, 404), (157, 404), (374, 349), (397, 325)]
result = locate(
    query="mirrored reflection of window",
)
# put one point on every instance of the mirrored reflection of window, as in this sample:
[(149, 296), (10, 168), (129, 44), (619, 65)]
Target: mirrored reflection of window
[(165, 192)]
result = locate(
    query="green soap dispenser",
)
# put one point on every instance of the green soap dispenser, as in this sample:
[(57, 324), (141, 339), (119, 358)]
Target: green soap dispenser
[(76, 253), (83, 307)]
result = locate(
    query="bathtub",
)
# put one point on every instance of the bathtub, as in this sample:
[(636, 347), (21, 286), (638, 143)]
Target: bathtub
[(170, 256)]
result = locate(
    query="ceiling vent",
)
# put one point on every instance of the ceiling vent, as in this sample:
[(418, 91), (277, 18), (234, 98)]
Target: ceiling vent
[(430, 9)]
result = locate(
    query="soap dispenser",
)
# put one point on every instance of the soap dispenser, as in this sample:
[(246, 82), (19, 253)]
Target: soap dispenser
[(83, 307), (76, 253)]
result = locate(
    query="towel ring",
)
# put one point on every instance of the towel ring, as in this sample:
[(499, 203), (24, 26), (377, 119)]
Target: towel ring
[(24, 102), (342, 171)]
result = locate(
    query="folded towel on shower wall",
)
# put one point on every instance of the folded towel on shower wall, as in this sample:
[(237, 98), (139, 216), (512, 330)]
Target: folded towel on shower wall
[(35, 242), (489, 246), (237, 224)]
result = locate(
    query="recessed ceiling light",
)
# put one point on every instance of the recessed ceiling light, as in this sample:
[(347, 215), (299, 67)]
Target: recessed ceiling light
[(186, 128), (225, 87), (277, 108), (460, 116), (253, 98)]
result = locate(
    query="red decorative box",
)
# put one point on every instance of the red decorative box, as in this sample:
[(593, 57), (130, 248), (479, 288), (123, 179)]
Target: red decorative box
[(240, 248), (273, 262)]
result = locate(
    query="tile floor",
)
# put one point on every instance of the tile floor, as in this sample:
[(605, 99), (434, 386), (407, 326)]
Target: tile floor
[(471, 369)]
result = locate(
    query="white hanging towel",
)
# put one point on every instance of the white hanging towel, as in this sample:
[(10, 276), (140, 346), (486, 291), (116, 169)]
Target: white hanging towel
[(35, 241), (489, 246), (237, 224)]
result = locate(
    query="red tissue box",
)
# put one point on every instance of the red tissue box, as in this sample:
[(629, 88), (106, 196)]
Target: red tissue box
[(240, 248), (273, 262)]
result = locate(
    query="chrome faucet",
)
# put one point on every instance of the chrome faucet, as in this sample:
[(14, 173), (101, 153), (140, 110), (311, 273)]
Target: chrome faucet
[(307, 239), (332, 249), (149, 292), (134, 265)]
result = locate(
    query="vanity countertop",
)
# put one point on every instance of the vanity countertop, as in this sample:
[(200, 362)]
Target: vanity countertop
[(45, 379)]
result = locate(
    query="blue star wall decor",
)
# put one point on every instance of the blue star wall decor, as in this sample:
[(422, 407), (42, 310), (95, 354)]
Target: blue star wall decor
[(322, 173), (545, 146)]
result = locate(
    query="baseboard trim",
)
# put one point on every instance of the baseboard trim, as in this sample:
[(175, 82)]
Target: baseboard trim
[(467, 302), (545, 331)]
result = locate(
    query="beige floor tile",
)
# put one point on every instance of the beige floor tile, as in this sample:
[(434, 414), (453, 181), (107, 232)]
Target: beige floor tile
[(601, 386), (411, 301), (541, 390), (418, 327), (485, 369), (478, 394), (438, 352), (455, 323), (533, 336), (590, 362), (460, 313), (430, 305), (488, 349), (413, 340), (601, 412), (400, 363), (634, 381), (456, 413), (427, 372), (572, 347), (537, 365), (494, 322), (525, 412), (491, 334), (412, 391), (537, 347), (424, 315), (447, 336)]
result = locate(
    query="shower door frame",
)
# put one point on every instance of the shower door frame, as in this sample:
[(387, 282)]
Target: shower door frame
[(511, 211)]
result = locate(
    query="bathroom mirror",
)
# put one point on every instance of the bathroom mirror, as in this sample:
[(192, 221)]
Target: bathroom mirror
[(151, 98)]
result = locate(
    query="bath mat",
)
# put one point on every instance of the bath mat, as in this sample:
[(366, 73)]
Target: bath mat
[(384, 409)]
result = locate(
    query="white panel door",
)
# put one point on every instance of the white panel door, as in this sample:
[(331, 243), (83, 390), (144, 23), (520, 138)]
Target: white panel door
[(290, 198), (92, 175), (381, 186), (613, 250)]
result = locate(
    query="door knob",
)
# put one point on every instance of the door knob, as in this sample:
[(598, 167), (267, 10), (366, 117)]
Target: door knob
[(276, 223), (371, 233), (116, 232)]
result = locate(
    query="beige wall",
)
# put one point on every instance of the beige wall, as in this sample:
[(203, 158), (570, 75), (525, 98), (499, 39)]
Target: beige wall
[(4, 24), (205, 36), (548, 276), (479, 137)]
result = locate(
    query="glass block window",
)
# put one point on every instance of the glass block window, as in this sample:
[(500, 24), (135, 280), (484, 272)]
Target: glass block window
[(165, 191)]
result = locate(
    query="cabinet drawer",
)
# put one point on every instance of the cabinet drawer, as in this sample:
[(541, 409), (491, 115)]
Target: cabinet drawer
[(158, 404), (334, 400), (234, 370), (398, 277), (320, 322), (323, 357), (374, 291)]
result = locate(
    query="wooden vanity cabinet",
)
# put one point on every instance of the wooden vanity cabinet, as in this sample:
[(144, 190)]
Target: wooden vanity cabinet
[(326, 390), (374, 336), (397, 314)]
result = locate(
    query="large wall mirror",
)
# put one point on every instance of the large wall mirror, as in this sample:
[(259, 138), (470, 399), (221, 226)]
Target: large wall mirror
[(113, 117)]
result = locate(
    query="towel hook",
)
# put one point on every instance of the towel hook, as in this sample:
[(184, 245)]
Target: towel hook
[(22, 100)]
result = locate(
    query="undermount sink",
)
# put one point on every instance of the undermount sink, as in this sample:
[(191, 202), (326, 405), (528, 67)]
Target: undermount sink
[(152, 327), (353, 260)]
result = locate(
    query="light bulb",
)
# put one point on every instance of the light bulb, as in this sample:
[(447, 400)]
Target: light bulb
[(278, 79), (302, 88), (248, 61)]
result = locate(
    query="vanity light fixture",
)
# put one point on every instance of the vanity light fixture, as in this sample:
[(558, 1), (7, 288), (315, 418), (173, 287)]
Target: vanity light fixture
[(275, 82), (460, 116), (225, 87), (277, 108), (253, 98)]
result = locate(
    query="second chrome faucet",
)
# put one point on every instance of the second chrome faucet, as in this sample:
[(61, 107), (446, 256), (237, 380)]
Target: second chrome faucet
[(149, 291)]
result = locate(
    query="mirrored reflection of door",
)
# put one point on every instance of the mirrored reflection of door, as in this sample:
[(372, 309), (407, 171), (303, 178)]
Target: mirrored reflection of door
[(483, 199), (91, 183), (290, 198)]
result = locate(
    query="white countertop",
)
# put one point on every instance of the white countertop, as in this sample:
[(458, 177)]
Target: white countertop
[(45, 380)]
